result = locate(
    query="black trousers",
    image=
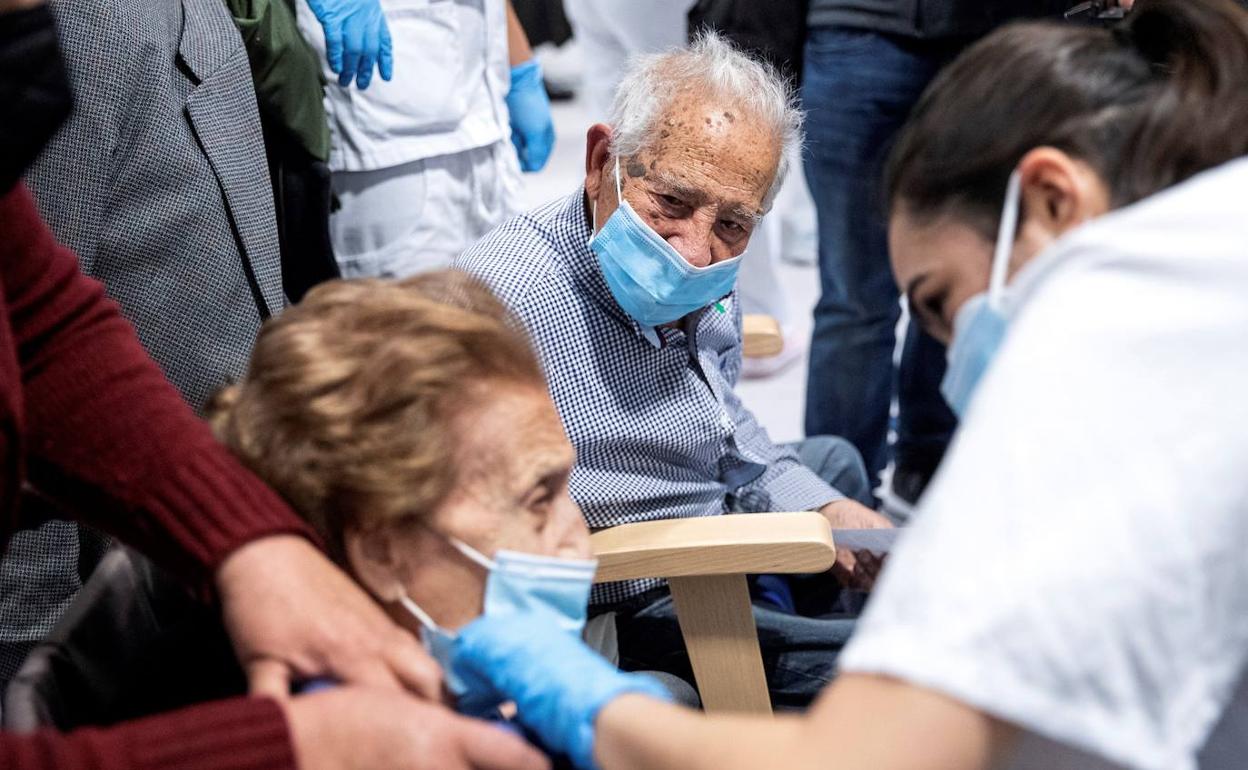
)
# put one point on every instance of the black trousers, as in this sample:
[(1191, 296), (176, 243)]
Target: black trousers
[(302, 198)]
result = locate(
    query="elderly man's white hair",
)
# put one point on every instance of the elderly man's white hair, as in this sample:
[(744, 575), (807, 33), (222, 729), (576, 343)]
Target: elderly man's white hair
[(717, 69)]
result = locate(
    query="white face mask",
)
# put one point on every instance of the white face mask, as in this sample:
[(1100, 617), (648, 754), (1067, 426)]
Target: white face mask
[(980, 325), (517, 583)]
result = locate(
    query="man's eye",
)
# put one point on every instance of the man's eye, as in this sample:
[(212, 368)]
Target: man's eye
[(672, 202), (540, 498), (732, 227)]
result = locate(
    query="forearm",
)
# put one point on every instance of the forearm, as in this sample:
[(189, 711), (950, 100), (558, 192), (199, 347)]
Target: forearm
[(518, 49), (877, 723), (859, 723), (638, 733), (239, 734)]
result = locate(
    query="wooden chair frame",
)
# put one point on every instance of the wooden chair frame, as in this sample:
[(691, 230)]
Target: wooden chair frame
[(705, 561)]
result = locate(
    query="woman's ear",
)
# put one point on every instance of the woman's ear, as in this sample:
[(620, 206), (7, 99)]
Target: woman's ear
[(370, 556), (1060, 192)]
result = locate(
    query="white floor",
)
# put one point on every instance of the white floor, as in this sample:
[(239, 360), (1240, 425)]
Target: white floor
[(777, 401)]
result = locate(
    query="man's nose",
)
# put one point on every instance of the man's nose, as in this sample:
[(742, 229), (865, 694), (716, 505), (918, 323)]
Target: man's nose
[(695, 246)]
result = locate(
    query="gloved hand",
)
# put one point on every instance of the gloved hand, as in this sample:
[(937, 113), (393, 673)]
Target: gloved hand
[(356, 38), (557, 683), (532, 130)]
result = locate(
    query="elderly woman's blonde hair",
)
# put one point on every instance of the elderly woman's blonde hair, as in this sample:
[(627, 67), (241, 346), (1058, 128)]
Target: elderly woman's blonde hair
[(347, 407)]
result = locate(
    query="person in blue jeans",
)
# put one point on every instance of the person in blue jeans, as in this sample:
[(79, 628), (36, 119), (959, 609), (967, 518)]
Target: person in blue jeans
[(866, 63)]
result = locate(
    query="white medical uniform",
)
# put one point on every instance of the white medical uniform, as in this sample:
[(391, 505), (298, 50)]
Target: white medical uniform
[(423, 164), (1079, 566)]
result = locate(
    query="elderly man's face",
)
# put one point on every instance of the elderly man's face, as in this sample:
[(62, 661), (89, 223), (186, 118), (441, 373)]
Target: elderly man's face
[(701, 186)]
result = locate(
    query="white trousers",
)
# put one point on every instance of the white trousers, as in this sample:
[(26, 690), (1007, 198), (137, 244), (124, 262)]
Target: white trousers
[(419, 216)]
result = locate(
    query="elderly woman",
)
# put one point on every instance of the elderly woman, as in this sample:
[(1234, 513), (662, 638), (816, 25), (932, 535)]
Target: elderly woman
[(409, 423), (628, 287)]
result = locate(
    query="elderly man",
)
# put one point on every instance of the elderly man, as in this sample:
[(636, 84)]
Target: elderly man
[(628, 289)]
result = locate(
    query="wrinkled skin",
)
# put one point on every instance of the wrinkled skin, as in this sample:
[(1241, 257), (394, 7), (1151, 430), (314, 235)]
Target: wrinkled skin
[(701, 184), (513, 461)]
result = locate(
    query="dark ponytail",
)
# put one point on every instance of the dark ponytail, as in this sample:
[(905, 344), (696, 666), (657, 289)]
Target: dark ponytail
[(1149, 104)]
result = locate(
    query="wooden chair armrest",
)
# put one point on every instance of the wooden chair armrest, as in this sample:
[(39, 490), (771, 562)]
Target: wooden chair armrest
[(783, 543), (761, 336)]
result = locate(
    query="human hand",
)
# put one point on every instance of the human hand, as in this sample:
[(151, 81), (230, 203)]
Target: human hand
[(855, 569), (858, 570), (349, 728), (851, 514), (293, 615), (532, 130), (356, 38), (559, 685)]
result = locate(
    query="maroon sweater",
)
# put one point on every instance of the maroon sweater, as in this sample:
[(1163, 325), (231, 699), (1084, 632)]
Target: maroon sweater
[(87, 417)]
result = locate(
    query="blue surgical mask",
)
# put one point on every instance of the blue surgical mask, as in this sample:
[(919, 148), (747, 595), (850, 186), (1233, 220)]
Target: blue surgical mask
[(980, 325), (517, 583), (649, 279)]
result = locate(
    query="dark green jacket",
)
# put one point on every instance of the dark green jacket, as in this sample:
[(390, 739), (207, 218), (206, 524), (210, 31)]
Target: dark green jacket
[(286, 70)]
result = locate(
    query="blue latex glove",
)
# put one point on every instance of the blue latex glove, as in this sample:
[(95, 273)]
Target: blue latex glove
[(557, 683), (356, 38), (532, 130)]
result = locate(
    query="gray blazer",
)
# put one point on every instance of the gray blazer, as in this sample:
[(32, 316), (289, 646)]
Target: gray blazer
[(159, 182)]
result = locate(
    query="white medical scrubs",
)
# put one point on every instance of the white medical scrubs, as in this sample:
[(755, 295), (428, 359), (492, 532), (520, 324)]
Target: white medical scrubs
[(1079, 566), (423, 164)]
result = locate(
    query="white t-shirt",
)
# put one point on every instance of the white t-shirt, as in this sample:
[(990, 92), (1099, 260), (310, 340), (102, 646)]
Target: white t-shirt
[(447, 95), (1079, 566)]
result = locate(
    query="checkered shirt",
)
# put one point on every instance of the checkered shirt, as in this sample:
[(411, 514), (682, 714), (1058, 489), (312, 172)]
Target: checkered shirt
[(659, 431)]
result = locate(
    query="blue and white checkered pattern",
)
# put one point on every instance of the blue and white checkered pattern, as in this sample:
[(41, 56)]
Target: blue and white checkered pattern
[(658, 429)]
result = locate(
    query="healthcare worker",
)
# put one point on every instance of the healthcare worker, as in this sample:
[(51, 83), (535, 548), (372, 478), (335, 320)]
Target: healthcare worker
[(426, 162), (1074, 592)]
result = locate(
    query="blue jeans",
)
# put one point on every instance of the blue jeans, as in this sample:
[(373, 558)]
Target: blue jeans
[(799, 647), (858, 89)]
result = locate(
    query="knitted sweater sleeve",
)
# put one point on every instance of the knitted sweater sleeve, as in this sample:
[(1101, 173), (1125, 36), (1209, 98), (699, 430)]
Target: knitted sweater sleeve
[(106, 434), (238, 734)]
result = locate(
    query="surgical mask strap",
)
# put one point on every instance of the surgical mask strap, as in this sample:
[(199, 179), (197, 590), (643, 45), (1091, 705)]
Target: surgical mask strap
[(1005, 241), (415, 609), (472, 554), (619, 198)]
